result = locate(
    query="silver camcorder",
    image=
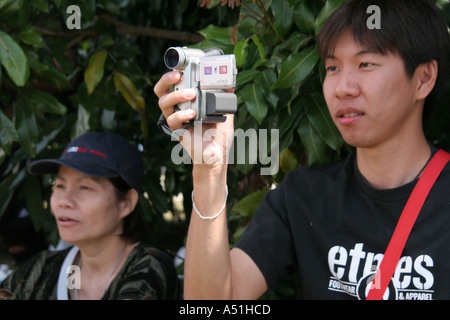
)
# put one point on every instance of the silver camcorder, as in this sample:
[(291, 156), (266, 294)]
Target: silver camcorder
[(210, 73)]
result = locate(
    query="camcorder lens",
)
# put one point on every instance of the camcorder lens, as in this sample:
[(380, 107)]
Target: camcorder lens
[(172, 59)]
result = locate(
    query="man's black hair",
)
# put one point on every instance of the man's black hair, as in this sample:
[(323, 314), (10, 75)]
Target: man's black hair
[(415, 29)]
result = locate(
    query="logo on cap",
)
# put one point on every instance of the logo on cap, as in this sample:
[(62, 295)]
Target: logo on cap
[(75, 149)]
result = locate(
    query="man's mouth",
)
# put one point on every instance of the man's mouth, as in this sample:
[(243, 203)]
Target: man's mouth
[(351, 115)]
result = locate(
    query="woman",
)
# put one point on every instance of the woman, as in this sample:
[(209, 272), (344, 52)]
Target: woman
[(95, 193)]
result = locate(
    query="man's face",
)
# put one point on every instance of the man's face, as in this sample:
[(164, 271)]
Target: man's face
[(369, 95)]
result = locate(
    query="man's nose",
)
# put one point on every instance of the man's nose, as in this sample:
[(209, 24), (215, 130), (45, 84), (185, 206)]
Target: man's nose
[(347, 85)]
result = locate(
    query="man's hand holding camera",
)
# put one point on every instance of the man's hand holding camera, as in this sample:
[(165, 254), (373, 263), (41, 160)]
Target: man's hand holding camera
[(202, 101), (207, 142)]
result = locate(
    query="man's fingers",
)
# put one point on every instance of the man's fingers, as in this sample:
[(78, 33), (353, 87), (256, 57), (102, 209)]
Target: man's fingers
[(176, 120), (168, 102), (168, 99), (162, 87)]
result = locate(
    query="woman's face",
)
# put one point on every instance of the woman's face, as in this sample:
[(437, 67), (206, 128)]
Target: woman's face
[(86, 208)]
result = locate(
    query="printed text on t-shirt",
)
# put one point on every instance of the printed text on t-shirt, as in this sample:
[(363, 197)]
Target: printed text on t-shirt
[(352, 272)]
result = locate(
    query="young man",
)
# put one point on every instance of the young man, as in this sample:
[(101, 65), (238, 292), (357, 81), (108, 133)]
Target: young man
[(331, 224)]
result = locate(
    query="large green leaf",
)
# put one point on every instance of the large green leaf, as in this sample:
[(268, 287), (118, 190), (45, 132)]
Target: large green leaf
[(4, 2), (27, 127), (32, 37), (317, 151), (304, 17), (283, 16), (319, 116), (8, 133), (294, 43), (129, 92), (34, 204), (288, 160), (247, 206), (261, 50), (15, 13), (94, 72), (53, 78), (253, 96), (13, 60), (7, 187), (328, 8), (245, 76), (240, 52), (297, 68), (266, 79), (218, 34), (48, 137), (45, 102)]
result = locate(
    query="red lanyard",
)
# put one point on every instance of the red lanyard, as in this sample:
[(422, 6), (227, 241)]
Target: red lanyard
[(405, 224)]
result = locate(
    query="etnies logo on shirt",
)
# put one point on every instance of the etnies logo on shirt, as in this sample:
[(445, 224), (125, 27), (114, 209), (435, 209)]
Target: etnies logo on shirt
[(353, 273)]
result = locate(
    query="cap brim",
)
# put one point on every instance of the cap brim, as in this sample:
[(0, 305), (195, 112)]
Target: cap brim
[(51, 166)]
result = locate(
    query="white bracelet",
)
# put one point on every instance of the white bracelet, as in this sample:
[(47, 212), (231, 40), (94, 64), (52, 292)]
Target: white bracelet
[(215, 216)]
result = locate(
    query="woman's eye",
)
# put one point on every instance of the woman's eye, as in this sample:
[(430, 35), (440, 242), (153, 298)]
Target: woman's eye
[(58, 186), (331, 69)]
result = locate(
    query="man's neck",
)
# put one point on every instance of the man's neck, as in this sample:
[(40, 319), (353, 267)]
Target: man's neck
[(393, 164)]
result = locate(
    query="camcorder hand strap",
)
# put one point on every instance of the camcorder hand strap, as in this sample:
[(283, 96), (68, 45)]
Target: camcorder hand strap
[(407, 219), (162, 124)]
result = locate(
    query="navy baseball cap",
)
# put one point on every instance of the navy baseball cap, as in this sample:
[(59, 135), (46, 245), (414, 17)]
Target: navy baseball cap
[(99, 154)]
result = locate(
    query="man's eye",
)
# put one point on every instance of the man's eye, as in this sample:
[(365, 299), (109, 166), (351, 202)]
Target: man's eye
[(366, 64)]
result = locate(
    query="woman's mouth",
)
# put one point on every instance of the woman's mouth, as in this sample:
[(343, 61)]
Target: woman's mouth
[(66, 221)]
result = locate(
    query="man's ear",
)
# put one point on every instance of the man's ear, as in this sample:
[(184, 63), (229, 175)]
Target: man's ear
[(426, 74), (130, 202)]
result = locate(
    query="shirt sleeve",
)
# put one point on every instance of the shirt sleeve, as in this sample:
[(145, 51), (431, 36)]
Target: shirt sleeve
[(150, 275), (268, 240), (34, 279)]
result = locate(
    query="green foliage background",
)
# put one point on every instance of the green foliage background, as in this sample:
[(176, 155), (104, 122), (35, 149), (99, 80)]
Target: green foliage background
[(59, 83)]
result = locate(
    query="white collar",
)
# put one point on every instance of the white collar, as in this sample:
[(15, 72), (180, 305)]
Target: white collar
[(62, 292)]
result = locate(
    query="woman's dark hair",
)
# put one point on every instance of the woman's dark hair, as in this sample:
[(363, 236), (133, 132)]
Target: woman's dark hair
[(134, 226), (415, 29)]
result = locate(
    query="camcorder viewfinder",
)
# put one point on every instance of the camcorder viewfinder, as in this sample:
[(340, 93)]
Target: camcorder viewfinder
[(210, 73)]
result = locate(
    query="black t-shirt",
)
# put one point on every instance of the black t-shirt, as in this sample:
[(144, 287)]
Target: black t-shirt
[(328, 225)]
